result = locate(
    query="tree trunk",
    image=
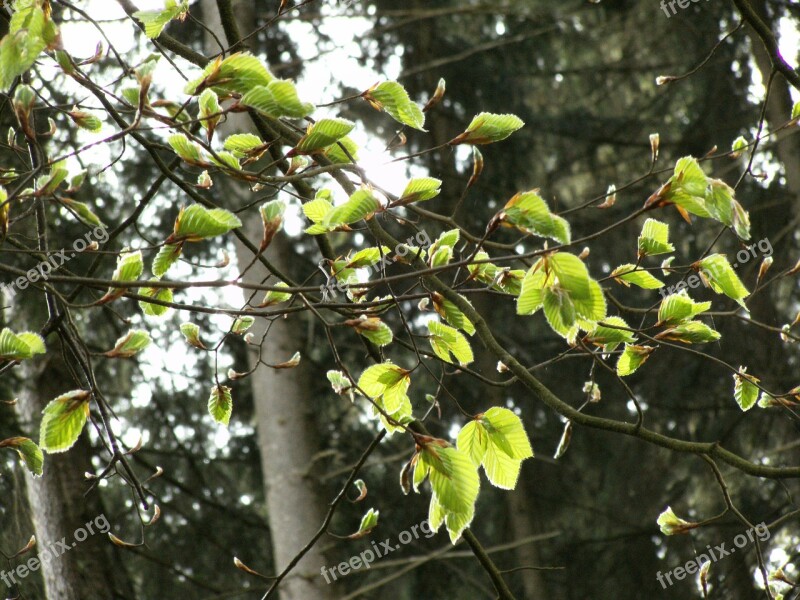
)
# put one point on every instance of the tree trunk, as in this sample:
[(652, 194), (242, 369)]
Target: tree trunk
[(284, 406), (91, 569)]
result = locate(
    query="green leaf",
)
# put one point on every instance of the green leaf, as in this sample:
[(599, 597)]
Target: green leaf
[(473, 439), (654, 239), (159, 293), (273, 297), (189, 151), (796, 111), (197, 223), (745, 390), (243, 144), (322, 134), (693, 332), (366, 257), (501, 470), (632, 358), (30, 32), (559, 310), (528, 212), (453, 477), (447, 340), (739, 145), (487, 128), (225, 160), (82, 211), (336, 152), (376, 331), (210, 109), (453, 315), (361, 205), (154, 21), (192, 334), (277, 99), (392, 98), (58, 173), (608, 335), (320, 206), (85, 120), (718, 273), (30, 454), (242, 324), (687, 187), (239, 72), (724, 208), (21, 346), (679, 307), (129, 267), (572, 276), (670, 523), (220, 404), (507, 431), (531, 296), (63, 420), (167, 256), (419, 190), (368, 522), (130, 344), (630, 274), (386, 384)]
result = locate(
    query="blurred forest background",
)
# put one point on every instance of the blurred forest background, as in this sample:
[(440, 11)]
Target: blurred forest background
[(582, 76)]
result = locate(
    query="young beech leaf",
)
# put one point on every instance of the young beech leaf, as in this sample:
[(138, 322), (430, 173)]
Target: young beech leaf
[(239, 72), (277, 99), (130, 344), (654, 239), (717, 272), (632, 358), (159, 293), (129, 267), (322, 134), (497, 441), (419, 190), (629, 274), (30, 454), (745, 390), (244, 145), (528, 212), (677, 308), (20, 346), (448, 340), (196, 222), (220, 404), (154, 21), (368, 522), (275, 297), (63, 420), (167, 256), (192, 334), (610, 333), (453, 477), (670, 523), (392, 98), (487, 128), (272, 218), (691, 332)]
